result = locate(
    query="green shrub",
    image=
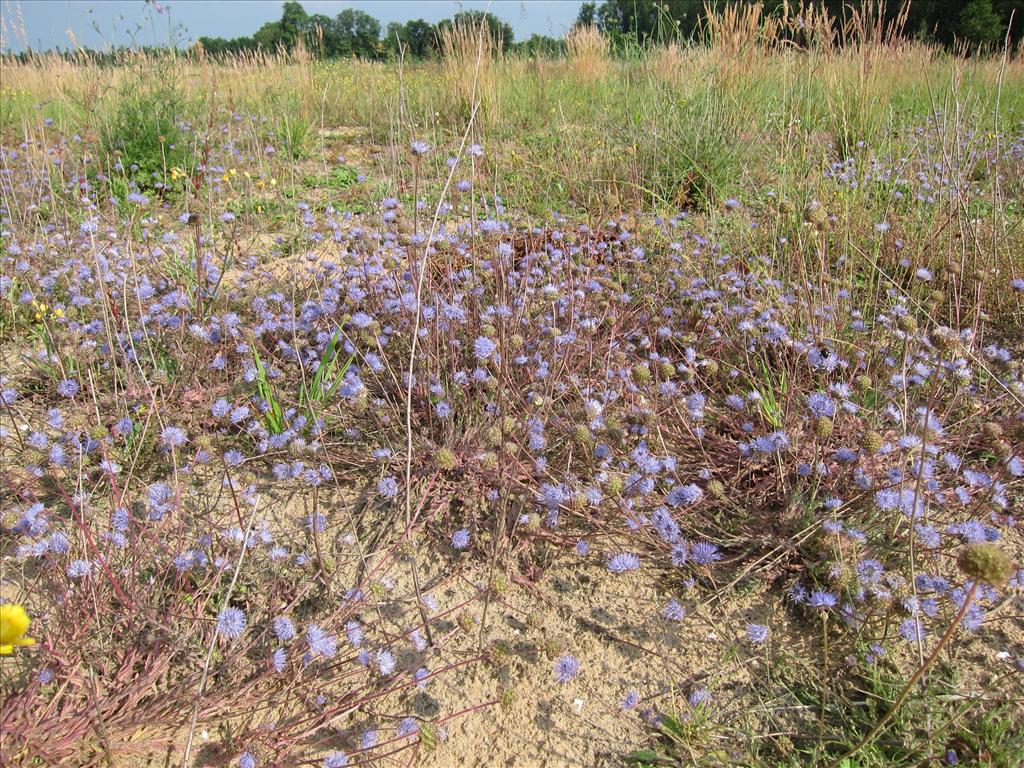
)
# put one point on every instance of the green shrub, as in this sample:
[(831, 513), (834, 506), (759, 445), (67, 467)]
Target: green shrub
[(143, 133)]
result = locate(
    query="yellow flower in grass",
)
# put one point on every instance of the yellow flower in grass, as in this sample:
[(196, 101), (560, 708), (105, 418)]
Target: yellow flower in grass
[(13, 626)]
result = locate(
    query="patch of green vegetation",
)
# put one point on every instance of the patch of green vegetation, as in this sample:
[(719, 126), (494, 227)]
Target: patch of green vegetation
[(143, 133), (342, 177)]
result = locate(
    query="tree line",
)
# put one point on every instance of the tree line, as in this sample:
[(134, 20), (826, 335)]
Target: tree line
[(354, 33), (357, 33), (944, 22)]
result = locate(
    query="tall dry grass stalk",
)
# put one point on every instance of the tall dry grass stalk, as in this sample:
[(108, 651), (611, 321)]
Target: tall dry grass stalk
[(809, 27), (588, 53), (469, 68), (736, 31)]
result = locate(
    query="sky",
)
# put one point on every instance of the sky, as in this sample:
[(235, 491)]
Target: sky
[(101, 23)]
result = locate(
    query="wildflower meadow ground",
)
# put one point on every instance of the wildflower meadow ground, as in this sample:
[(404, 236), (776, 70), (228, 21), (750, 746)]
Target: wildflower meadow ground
[(663, 409)]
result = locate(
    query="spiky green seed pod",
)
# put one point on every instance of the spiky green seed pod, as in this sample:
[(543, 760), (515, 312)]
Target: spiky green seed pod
[(466, 622), (992, 430), (446, 459), (361, 402), (499, 653), (614, 485), (493, 437), (1002, 449), (937, 296), (716, 489), (862, 383), (823, 427), (667, 370), (508, 425), (533, 522), (641, 373), (508, 698), (907, 323), (815, 213), (489, 461), (428, 736), (579, 501), (581, 435), (871, 442), (986, 561), (943, 338), (516, 342), (711, 368), (499, 583)]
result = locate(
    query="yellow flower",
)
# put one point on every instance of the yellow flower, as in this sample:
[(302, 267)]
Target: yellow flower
[(13, 626)]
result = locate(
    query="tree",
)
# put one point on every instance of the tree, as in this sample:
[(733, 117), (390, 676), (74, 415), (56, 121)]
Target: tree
[(417, 37), (321, 36), (292, 24), (500, 31), (587, 16), (358, 34), (979, 24), (269, 36), (540, 45)]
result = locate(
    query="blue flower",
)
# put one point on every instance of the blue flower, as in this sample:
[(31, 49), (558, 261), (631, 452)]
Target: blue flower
[(757, 633), (388, 487), (821, 405), (407, 726), (369, 739), (67, 388), (684, 495), (284, 630), (320, 643), (566, 668), (674, 611), (231, 623), (386, 663), (172, 437), (78, 569), (483, 348), (704, 553), (623, 562), (822, 600), (460, 539)]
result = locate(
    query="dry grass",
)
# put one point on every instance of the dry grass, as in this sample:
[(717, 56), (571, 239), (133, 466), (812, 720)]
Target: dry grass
[(588, 53), (738, 30), (469, 62)]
